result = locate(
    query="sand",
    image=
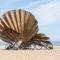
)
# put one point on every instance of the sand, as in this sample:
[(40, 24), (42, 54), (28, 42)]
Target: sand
[(31, 54)]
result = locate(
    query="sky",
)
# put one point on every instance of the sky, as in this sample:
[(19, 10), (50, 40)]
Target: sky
[(47, 13)]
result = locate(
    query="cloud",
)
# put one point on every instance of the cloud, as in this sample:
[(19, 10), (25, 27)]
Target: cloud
[(1, 1), (32, 4), (36, 3), (5, 5), (48, 13), (54, 37)]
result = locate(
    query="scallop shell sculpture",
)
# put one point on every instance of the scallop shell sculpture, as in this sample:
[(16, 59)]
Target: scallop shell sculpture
[(20, 25), (16, 25)]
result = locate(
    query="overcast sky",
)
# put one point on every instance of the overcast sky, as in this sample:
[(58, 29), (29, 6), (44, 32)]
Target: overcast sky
[(47, 13)]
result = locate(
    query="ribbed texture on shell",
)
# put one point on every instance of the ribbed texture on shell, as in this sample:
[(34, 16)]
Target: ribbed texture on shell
[(40, 37), (18, 25)]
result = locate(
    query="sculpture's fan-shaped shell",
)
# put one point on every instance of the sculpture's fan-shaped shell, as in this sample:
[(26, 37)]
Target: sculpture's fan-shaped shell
[(18, 25), (40, 37)]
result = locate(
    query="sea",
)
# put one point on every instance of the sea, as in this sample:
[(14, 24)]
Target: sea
[(56, 43)]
